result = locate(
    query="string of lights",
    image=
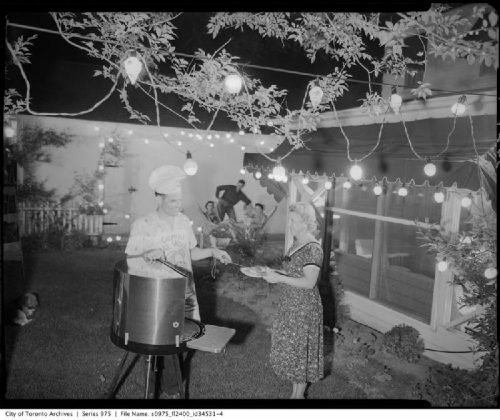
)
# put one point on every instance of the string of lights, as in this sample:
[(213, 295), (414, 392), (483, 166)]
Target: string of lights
[(255, 66)]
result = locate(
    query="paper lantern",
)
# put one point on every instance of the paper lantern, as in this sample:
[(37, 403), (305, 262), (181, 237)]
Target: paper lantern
[(315, 95), (133, 68)]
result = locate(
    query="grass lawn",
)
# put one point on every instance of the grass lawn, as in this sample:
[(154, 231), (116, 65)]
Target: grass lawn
[(66, 353)]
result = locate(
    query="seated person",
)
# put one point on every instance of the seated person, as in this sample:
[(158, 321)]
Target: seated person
[(210, 212)]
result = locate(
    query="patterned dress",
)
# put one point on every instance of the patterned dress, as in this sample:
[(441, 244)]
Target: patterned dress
[(297, 335)]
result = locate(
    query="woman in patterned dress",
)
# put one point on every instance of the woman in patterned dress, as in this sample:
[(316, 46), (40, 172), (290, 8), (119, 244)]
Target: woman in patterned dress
[(297, 334)]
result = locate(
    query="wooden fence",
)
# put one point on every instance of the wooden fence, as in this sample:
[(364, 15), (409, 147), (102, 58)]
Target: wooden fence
[(40, 218)]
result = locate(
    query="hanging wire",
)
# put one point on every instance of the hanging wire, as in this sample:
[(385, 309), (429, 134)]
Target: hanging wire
[(255, 66), (28, 89), (347, 139)]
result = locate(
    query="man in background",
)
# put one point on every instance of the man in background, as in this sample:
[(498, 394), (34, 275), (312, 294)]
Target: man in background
[(231, 196)]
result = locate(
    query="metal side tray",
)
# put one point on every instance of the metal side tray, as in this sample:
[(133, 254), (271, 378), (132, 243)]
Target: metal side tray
[(214, 339)]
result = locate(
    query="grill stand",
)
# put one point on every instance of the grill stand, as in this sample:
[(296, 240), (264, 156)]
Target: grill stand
[(121, 374)]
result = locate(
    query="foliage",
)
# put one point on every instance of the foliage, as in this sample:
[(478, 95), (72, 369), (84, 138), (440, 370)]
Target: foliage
[(84, 193), (346, 39), (468, 254), (53, 231), (21, 46), (404, 341), (32, 145), (447, 386), (34, 192)]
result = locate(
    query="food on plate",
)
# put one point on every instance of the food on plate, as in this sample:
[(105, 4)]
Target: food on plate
[(255, 271)]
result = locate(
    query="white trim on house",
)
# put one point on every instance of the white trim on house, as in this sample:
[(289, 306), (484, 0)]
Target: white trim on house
[(437, 107)]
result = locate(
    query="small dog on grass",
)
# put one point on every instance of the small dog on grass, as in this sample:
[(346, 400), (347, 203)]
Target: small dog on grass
[(23, 309)]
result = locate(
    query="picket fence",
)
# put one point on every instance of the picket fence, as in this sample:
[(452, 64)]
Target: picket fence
[(40, 218)]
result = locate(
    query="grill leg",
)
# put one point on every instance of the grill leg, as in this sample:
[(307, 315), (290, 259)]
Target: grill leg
[(113, 386), (178, 374), (148, 370)]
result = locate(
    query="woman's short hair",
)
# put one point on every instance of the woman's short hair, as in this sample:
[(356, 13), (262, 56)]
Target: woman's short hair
[(260, 205), (306, 213), (208, 202)]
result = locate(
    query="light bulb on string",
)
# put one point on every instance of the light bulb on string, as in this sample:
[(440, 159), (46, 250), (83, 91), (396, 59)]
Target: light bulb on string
[(231, 140), (101, 145), (241, 132), (429, 168), (459, 107), (127, 216), (133, 67), (270, 175), (109, 239), (490, 273), (228, 135), (377, 189), (305, 180), (233, 83), (190, 166), (118, 238), (242, 148), (356, 172), (328, 185), (279, 171), (8, 130), (111, 140), (284, 179), (442, 266), (403, 191), (466, 201), (347, 185), (438, 196), (258, 175), (242, 171), (395, 101)]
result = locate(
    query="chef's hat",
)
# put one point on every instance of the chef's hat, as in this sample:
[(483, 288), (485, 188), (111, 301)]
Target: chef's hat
[(166, 179)]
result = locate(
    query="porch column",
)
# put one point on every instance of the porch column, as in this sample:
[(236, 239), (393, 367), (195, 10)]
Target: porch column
[(292, 198), (327, 287), (442, 297)]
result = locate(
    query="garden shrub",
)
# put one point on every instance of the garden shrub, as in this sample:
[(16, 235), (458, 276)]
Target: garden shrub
[(404, 341), (447, 386)]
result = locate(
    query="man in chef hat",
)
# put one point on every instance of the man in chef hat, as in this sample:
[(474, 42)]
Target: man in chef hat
[(167, 234)]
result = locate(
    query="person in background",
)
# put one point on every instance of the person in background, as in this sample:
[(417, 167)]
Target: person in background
[(210, 212), (232, 195), (167, 234), (297, 333)]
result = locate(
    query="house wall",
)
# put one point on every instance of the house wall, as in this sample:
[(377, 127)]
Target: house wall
[(218, 165)]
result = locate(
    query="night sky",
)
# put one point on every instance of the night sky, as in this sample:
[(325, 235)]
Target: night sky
[(61, 75)]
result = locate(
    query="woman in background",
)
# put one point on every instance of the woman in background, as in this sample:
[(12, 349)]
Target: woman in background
[(297, 334)]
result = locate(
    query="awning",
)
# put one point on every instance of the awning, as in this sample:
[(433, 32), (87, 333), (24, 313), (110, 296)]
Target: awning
[(326, 151)]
